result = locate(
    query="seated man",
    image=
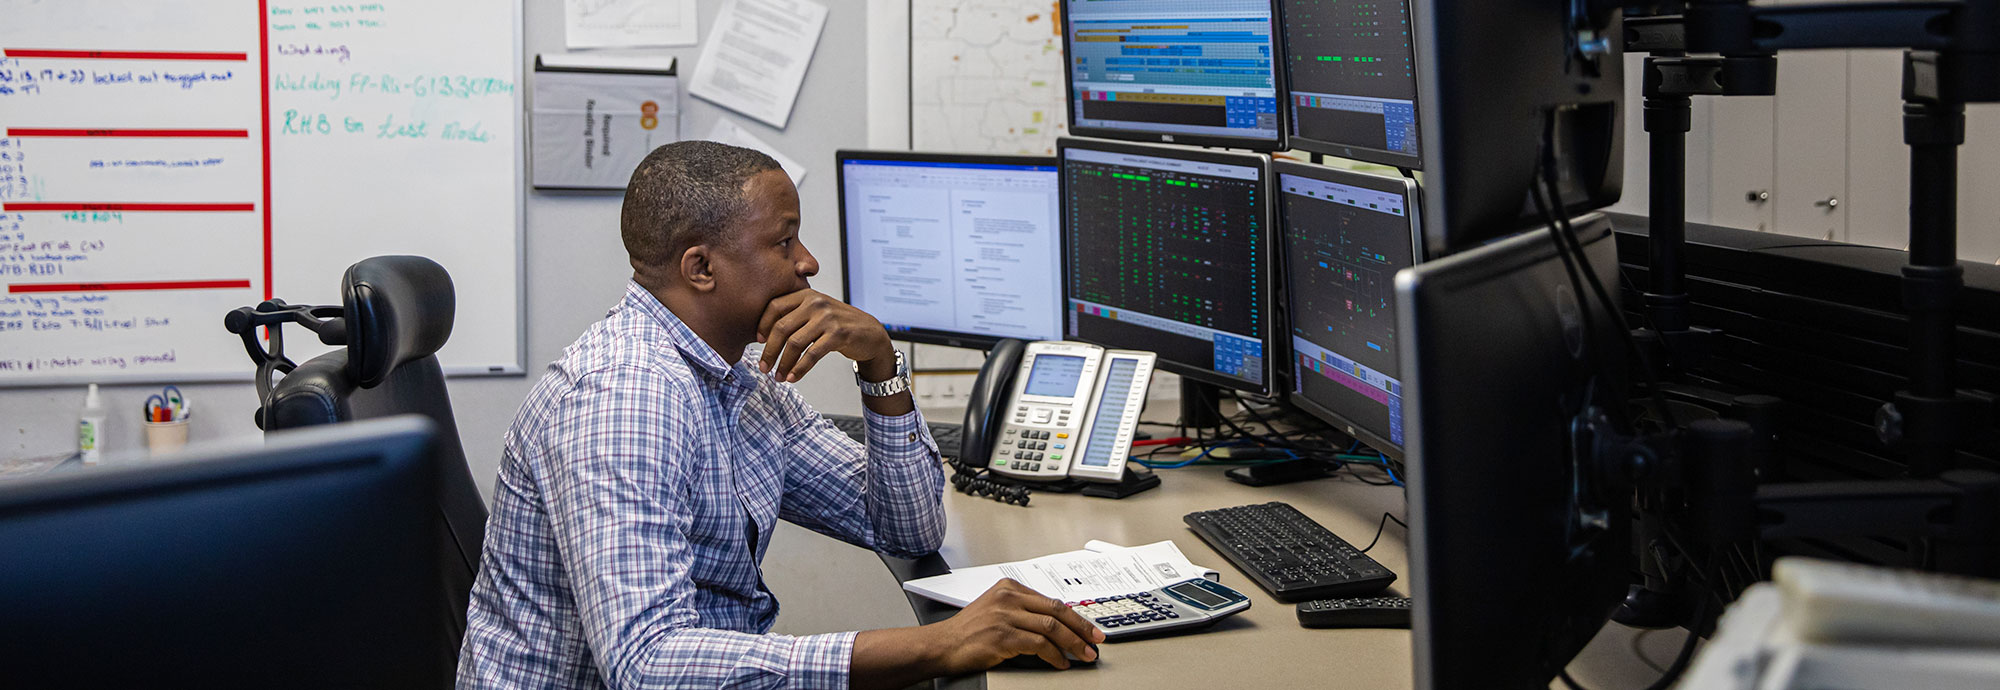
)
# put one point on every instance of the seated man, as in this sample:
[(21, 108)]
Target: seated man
[(641, 478)]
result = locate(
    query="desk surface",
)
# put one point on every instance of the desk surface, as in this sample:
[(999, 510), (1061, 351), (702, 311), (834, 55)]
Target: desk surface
[(1263, 646)]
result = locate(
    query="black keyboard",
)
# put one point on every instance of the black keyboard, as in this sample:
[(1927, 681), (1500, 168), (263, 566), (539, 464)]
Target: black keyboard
[(946, 434), (1288, 554)]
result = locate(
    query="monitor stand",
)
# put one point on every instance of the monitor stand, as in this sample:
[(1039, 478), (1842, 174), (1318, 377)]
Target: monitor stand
[(1201, 404)]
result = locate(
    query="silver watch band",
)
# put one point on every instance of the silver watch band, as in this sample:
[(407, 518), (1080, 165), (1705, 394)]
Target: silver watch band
[(898, 383)]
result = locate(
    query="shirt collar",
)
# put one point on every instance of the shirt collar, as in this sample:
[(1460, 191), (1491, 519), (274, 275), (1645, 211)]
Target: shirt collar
[(695, 350)]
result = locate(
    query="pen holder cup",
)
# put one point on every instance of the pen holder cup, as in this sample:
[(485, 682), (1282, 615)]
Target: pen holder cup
[(166, 437)]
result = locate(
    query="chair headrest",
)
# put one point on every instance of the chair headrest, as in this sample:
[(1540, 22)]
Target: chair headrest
[(398, 309)]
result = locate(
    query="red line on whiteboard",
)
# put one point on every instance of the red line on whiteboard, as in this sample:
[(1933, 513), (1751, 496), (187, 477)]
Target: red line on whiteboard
[(126, 55), (264, 72), (218, 133), (127, 287), (123, 206)]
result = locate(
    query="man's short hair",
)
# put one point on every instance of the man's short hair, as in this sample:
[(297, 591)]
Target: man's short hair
[(685, 194)]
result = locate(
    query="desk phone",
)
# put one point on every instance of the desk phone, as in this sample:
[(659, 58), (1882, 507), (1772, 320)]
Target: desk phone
[(1177, 607), (1070, 411)]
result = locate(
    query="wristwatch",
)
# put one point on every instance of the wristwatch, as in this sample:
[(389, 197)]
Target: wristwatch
[(896, 384)]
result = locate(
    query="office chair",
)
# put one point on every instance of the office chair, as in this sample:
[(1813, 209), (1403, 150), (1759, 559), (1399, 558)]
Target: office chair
[(395, 313)]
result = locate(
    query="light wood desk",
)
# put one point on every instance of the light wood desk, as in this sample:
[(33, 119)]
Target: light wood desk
[(1261, 647)]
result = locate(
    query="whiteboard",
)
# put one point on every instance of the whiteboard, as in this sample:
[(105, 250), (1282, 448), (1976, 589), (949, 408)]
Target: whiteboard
[(165, 161)]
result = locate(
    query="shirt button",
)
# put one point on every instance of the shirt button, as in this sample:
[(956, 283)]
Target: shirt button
[(913, 436)]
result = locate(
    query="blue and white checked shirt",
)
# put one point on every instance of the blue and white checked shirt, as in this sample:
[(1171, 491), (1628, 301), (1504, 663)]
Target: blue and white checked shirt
[(635, 500)]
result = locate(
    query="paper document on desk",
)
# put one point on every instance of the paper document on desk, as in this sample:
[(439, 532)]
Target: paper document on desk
[(1098, 570)]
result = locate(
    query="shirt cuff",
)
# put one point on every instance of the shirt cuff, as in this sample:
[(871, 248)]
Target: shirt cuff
[(822, 661), (901, 431)]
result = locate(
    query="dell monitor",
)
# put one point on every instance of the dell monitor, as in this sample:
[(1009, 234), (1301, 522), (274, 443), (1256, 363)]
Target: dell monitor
[(1351, 71), (308, 556), (952, 249), (1346, 234), (1167, 249), (1517, 560), (1506, 84), (1181, 71)]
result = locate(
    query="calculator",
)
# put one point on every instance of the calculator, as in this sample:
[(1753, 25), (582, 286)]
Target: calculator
[(1174, 608)]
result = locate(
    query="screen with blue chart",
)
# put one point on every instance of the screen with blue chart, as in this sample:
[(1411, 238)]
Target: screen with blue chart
[(1173, 70), (1343, 246), (1352, 73)]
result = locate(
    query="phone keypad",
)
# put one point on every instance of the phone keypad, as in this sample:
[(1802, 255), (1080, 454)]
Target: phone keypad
[(1026, 450)]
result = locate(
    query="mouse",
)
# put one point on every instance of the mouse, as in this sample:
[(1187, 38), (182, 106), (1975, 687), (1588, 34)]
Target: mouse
[(1032, 661)]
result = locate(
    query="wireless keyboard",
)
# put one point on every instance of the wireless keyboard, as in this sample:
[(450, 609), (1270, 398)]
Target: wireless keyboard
[(947, 435), (1288, 554)]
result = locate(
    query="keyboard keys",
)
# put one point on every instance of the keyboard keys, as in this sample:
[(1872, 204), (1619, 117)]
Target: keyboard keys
[(1287, 553)]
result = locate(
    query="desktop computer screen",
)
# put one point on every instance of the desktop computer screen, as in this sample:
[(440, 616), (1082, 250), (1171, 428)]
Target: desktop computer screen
[(952, 249), (1351, 73), (1167, 249), (1346, 234), (1186, 71), (309, 554), (1503, 351), (1506, 88)]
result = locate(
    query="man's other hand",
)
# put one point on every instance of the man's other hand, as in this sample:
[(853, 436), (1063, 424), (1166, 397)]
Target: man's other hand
[(1011, 620), (799, 328)]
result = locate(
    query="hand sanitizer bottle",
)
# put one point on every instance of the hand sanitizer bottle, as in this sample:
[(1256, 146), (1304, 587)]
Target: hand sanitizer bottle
[(90, 428)]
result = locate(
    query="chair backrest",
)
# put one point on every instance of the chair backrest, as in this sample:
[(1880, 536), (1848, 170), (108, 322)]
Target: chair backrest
[(398, 312)]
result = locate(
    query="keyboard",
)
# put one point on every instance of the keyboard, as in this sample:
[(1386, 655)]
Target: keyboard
[(1288, 554), (946, 434)]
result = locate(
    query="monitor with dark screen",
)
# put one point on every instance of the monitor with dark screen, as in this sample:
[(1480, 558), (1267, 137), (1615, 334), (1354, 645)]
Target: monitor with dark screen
[(1346, 234), (1351, 79), (1167, 249)]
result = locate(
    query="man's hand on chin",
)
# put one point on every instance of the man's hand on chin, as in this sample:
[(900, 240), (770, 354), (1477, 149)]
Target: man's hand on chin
[(799, 328)]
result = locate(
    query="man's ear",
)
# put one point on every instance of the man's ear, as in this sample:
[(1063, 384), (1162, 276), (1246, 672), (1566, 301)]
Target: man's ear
[(697, 269)]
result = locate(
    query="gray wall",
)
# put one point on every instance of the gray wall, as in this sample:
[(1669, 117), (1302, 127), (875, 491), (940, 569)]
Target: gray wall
[(575, 271), (575, 266)]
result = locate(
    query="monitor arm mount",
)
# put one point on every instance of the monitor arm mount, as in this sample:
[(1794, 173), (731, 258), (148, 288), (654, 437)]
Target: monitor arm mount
[(1670, 79), (1952, 58), (1701, 481)]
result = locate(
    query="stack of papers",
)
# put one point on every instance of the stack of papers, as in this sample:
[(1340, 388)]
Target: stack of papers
[(1099, 570)]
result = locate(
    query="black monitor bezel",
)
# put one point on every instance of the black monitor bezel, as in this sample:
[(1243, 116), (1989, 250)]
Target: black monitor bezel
[(1071, 103), (928, 336), (387, 469), (1349, 151), (1520, 498), (1411, 201), (1272, 345), (1500, 79)]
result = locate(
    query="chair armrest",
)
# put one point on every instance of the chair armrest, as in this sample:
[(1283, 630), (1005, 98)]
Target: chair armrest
[(929, 611)]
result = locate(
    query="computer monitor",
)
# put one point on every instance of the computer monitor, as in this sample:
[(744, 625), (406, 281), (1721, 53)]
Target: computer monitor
[(950, 249), (1346, 234), (1516, 561), (1499, 78), (1168, 249), (307, 556), (1351, 74), (1198, 72)]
